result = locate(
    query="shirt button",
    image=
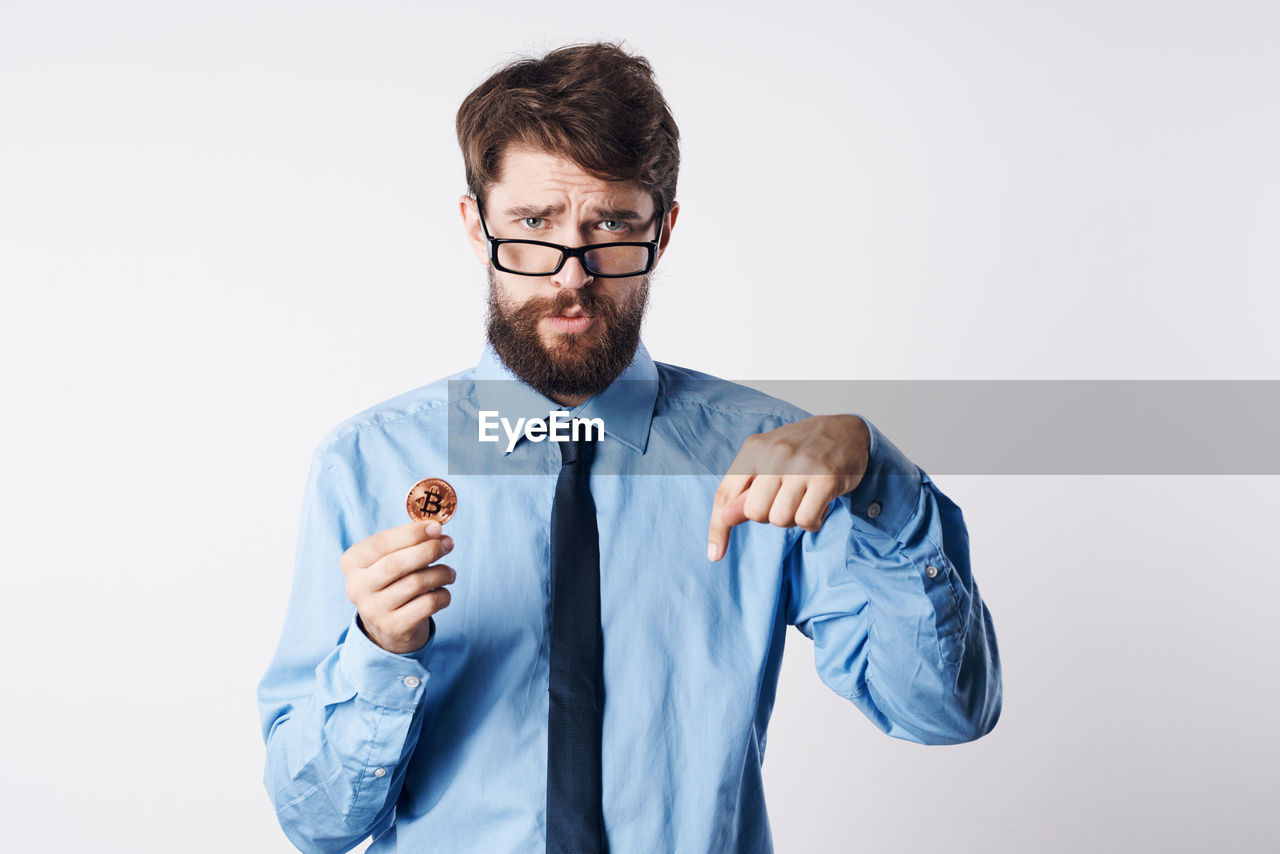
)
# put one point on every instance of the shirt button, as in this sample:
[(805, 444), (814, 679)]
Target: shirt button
[(931, 571), (411, 682), (873, 510), (380, 772)]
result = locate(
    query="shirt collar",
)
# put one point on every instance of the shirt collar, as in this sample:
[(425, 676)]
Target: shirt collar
[(625, 406)]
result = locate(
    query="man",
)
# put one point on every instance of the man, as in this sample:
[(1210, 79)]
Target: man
[(594, 667)]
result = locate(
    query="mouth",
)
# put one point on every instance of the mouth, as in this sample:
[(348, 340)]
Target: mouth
[(575, 324)]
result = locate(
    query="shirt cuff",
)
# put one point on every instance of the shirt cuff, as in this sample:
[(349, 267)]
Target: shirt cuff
[(889, 491), (385, 678)]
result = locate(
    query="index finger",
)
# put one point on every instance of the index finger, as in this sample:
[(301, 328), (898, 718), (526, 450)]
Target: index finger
[(735, 482), (730, 494), (368, 550)]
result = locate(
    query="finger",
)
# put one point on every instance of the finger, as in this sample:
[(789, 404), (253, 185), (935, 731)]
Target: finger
[(814, 507), (741, 471), (732, 514), (760, 496), (405, 625), (368, 550), (730, 489), (413, 585), (386, 569), (417, 609), (785, 504)]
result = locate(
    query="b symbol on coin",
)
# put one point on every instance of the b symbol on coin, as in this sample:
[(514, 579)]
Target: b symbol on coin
[(431, 499)]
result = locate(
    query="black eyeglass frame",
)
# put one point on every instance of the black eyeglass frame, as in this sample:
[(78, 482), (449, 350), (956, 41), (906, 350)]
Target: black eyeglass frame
[(567, 252)]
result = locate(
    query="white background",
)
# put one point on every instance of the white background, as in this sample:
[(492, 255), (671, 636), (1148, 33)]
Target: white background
[(224, 227)]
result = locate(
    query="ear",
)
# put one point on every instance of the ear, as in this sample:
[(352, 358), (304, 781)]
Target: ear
[(668, 226), (471, 227)]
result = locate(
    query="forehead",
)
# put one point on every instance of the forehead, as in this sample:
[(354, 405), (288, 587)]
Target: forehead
[(530, 175)]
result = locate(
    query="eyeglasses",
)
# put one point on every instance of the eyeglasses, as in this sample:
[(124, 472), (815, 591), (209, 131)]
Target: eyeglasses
[(605, 260)]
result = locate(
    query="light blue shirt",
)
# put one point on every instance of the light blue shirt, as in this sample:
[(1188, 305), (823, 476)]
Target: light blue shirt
[(445, 749)]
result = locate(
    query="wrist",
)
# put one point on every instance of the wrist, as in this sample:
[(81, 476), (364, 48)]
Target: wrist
[(859, 443), (391, 647)]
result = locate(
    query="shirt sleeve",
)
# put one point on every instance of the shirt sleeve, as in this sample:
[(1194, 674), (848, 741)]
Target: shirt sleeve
[(886, 593), (340, 714)]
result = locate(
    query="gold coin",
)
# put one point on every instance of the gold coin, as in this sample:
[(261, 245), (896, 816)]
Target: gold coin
[(431, 499)]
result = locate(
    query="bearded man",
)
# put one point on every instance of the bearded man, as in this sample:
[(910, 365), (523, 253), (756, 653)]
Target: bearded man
[(595, 666)]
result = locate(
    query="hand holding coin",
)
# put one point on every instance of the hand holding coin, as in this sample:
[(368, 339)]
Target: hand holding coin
[(396, 585)]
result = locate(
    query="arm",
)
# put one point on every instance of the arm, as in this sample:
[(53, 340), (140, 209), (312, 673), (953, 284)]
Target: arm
[(885, 591), (340, 715)]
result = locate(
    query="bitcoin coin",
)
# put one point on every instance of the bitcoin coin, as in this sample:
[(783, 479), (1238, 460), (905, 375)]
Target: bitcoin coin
[(431, 499)]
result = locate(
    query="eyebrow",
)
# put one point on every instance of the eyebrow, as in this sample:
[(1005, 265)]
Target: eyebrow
[(619, 214)]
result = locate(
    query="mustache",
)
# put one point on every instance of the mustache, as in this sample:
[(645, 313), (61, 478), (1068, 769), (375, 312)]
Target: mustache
[(591, 303)]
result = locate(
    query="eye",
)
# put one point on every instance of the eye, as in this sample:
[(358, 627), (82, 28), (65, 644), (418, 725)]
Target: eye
[(532, 221), (613, 225)]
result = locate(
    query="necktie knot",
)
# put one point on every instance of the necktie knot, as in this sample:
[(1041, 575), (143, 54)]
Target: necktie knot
[(577, 450)]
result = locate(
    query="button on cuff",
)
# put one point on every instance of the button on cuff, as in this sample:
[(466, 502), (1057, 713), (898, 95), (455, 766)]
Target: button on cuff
[(889, 492)]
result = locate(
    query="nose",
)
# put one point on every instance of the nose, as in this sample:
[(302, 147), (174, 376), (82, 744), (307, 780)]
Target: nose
[(572, 275)]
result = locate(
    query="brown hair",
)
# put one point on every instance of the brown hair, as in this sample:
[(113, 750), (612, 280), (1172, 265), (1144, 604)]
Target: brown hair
[(594, 104)]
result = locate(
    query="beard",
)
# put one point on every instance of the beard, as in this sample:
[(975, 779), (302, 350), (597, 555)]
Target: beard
[(575, 364)]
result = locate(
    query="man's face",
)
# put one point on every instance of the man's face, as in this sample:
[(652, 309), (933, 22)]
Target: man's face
[(568, 335)]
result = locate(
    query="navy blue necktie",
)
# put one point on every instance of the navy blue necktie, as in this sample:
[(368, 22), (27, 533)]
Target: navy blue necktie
[(575, 820)]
